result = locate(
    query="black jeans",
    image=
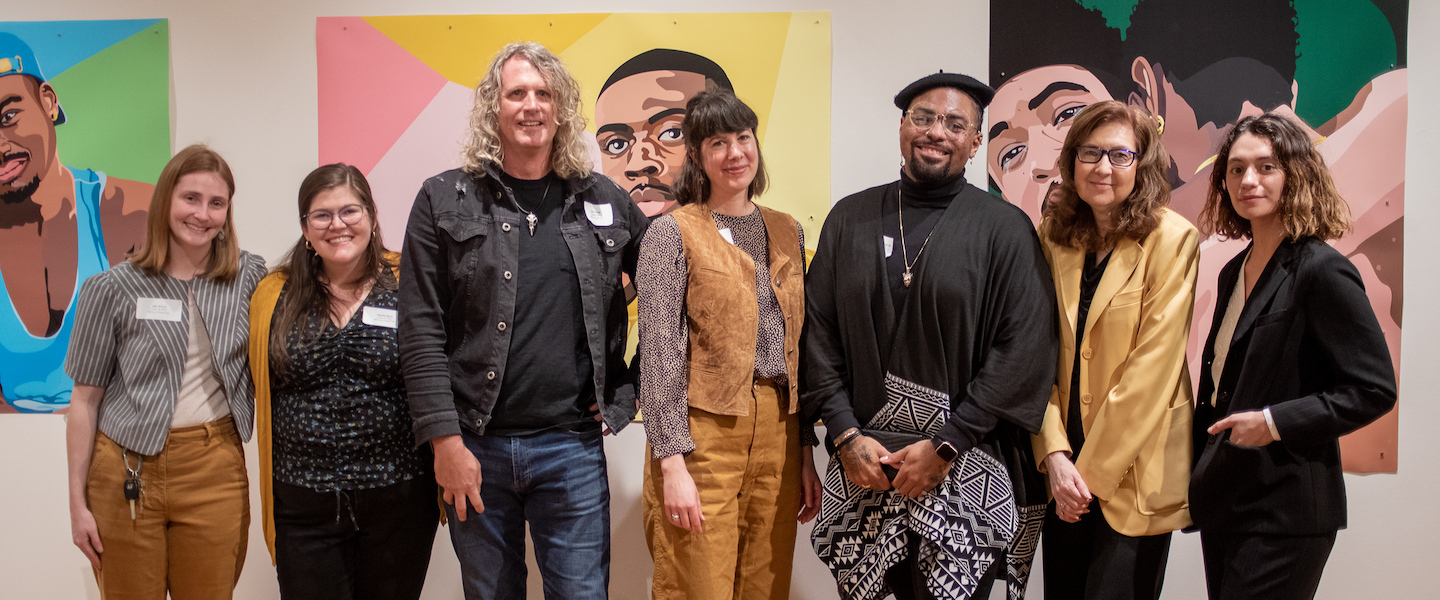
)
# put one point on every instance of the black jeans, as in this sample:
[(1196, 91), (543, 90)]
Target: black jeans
[(354, 545), (1274, 567), (1089, 560)]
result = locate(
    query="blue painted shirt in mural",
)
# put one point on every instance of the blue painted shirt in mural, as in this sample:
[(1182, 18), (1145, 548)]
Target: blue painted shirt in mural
[(32, 368)]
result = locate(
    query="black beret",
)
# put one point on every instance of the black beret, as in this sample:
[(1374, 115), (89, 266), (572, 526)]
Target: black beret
[(979, 92)]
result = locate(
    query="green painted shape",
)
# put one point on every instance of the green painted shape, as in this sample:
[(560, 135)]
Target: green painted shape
[(1117, 12), (1343, 45), (117, 107)]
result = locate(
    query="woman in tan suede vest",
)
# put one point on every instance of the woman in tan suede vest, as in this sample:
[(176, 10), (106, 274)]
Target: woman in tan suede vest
[(721, 287)]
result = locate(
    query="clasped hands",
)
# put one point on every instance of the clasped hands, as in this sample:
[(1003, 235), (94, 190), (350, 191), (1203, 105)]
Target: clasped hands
[(919, 468)]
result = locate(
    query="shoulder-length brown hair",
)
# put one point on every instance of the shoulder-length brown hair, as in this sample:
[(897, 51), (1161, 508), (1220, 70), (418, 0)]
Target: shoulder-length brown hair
[(710, 113), (1309, 205), (569, 155), (307, 295), (1068, 220), (224, 261)]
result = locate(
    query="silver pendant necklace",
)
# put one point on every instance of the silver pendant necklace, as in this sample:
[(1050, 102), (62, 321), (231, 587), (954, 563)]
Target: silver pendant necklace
[(530, 218), (908, 276)]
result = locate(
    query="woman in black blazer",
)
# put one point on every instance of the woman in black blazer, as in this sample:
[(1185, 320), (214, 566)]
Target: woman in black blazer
[(1295, 359)]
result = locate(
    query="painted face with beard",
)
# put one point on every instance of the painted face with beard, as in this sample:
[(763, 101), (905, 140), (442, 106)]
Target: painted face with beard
[(936, 153), (27, 136)]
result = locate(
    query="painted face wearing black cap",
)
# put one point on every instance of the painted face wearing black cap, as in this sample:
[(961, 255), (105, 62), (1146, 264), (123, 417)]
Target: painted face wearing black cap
[(934, 154)]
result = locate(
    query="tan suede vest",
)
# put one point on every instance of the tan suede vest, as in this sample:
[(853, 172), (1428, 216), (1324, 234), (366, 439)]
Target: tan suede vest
[(722, 312)]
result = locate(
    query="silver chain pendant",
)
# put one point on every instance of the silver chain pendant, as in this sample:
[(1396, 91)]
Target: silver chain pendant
[(906, 277), (531, 220)]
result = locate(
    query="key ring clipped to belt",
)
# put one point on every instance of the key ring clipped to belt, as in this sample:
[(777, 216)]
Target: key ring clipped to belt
[(139, 467)]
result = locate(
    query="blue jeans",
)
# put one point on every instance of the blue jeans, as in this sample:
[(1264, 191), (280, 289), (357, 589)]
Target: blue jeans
[(556, 481)]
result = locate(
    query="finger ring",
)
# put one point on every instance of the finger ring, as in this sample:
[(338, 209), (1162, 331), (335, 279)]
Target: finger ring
[(674, 517)]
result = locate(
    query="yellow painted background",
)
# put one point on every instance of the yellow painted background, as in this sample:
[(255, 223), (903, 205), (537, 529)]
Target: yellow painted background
[(779, 64)]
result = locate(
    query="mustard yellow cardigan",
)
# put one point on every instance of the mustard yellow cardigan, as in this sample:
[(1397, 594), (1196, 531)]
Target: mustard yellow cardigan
[(262, 309)]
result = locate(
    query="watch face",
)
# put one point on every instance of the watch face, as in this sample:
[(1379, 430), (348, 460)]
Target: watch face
[(946, 451)]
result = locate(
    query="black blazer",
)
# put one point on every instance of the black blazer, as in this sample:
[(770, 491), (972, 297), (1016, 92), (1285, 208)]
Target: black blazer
[(1308, 346)]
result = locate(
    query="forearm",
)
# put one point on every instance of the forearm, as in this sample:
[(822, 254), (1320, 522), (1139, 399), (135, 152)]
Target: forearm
[(423, 296), (80, 427), (968, 424)]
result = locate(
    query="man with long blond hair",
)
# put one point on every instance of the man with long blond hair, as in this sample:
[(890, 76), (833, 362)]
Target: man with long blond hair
[(512, 333)]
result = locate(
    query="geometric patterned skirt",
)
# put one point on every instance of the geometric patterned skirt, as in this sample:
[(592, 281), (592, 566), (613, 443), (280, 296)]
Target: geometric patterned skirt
[(964, 525)]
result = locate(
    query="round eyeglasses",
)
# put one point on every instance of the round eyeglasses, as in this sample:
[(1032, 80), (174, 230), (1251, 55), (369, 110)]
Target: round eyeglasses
[(321, 219), (1119, 157), (924, 119)]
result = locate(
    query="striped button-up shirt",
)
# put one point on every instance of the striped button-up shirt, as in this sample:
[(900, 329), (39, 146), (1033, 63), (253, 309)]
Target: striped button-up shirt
[(139, 360)]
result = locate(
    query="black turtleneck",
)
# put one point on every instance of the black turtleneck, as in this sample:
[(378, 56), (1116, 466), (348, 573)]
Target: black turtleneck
[(924, 203)]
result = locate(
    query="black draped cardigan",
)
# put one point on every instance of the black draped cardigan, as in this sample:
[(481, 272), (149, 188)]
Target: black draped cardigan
[(979, 322)]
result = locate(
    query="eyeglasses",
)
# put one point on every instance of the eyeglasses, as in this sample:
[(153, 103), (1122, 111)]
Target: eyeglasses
[(924, 119), (321, 219), (1119, 157)]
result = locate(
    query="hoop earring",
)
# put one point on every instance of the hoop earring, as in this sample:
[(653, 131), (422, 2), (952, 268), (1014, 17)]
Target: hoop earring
[(308, 246), (1160, 124)]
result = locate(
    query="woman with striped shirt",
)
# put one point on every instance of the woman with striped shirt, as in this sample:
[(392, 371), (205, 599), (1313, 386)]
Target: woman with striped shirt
[(159, 496)]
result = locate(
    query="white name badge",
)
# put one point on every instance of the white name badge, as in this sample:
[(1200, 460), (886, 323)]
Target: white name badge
[(159, 309), (600, 215), (725, 233), (889, 245), (375, 316)]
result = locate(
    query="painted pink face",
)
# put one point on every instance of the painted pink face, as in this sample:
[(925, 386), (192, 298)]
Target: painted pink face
[(339, 243), (27, 135), (1255, 181), (730, 161), (198, 209), (1031, 115), (639, 133)]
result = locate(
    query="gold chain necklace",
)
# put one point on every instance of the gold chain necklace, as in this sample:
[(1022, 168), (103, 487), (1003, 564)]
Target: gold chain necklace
[(908, 276), (530, 218)]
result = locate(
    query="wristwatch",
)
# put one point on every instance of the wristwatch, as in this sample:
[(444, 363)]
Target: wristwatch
[(945, 450)]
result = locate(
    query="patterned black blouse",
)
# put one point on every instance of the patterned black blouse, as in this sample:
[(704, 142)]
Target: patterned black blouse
[(340, 417)]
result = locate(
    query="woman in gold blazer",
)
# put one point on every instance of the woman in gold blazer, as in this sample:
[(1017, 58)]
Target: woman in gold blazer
[(1115, 442)]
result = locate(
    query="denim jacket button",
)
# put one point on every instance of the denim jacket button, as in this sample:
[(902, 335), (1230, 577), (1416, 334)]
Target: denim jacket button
[(609, 243), (500, 326), (507, 275), (490, 375), (505, 226)]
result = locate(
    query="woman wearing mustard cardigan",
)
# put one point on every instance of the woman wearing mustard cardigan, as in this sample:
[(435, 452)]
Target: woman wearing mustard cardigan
[(348, 501), (1115, 442)]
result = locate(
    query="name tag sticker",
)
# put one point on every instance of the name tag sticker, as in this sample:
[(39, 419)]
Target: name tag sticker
[(725, 233), (375, 316), (159, 309), (889, 245), (600, 215)]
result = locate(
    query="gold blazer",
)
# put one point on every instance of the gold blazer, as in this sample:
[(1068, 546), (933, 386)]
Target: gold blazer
[(1135, 394)]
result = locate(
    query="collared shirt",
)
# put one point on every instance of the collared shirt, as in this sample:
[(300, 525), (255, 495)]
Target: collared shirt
[(138, 359), (457, 294)]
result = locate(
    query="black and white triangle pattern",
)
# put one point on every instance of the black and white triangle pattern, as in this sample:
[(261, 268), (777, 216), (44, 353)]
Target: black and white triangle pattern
[(964, 525)]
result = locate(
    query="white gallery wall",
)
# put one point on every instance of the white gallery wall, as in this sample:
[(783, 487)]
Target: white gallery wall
[(243, 81)]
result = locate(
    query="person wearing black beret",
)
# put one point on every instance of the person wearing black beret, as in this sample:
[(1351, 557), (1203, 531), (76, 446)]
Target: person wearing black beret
[(929, 352)]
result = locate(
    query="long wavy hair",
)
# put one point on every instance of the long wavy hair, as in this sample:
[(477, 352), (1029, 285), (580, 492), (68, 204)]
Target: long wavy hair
[(708, 114), (1309, 204), (1069, 221), (307, 296), (569, 155), (224, 261)]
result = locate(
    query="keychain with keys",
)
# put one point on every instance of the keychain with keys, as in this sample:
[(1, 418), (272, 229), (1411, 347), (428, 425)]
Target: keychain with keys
[(132, 480)]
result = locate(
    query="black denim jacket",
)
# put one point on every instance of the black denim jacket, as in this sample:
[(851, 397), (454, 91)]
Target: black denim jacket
[(457, 294)]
